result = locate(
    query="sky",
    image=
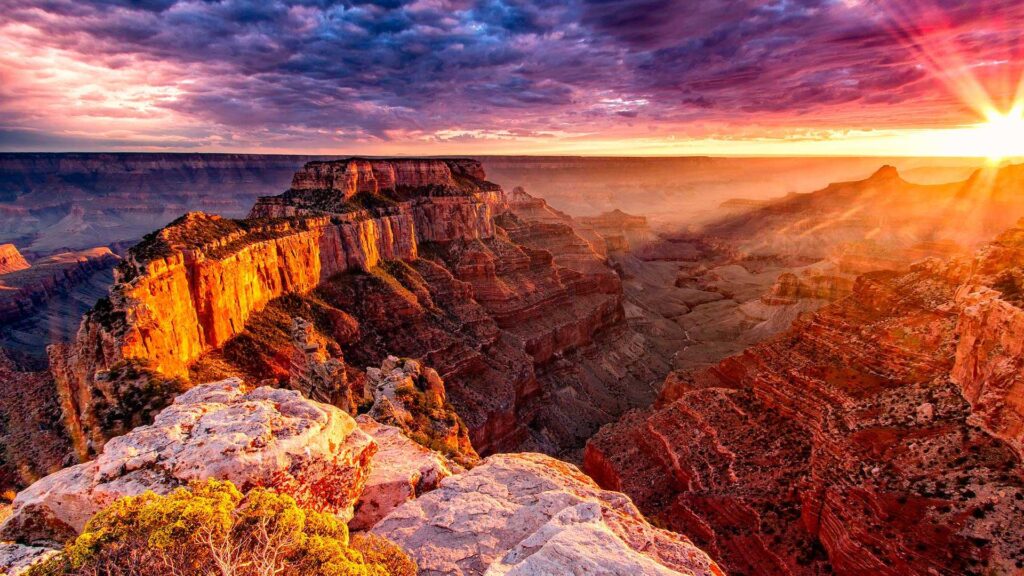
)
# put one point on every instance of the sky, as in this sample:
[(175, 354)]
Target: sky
[(602, 77)]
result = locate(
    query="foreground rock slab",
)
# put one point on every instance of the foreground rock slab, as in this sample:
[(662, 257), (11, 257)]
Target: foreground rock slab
[(519, 514), (400, 471), (262, 437)]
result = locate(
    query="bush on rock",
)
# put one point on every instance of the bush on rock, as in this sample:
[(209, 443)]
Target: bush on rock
[(211, 528)]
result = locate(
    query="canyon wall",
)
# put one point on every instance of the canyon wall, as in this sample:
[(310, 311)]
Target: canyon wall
[(190, 287), (10, 259), (520, 315), (880, 435), (25, 289)]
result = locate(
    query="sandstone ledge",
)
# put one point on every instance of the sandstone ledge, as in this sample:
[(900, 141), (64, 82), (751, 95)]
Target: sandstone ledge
[(530, 514)]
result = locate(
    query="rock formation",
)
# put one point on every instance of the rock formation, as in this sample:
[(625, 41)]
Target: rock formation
[(531, 514), (414, 399), (16, 559), (33, 441), (419, 259), (316, 373), (876, 436), (400, 471), (10, 259), (23, 290), (262, 437)]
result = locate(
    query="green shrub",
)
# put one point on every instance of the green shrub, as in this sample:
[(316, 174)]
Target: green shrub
[(211, 528)]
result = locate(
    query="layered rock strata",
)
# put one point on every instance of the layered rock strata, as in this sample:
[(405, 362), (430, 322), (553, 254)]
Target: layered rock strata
[(876, 436), (531, 514), (10, 259), (522, 319), (190, 287), (25, 290)]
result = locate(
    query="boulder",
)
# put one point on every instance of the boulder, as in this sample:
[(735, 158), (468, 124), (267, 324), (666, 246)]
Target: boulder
[(532, 514), (262, 437), (400, 471)]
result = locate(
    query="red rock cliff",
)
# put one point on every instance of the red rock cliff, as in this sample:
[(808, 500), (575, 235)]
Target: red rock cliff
[(192, 286), (877, 436), (10, 259)]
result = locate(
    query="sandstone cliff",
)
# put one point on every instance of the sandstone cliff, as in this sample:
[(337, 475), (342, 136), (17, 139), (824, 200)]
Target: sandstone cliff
[(418, 264), (190, 287), (876, 436), (10, 259)]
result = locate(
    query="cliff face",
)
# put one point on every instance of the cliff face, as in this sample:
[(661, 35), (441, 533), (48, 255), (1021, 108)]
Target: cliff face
[(190, 287), (418, 265), (851, 443), (10, 259), (356, 175), (990, 350)]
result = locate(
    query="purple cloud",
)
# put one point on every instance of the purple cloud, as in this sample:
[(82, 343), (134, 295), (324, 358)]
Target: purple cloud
[(303, 72)]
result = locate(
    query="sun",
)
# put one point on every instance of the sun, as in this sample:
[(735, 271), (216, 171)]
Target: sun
[(1002, 135)]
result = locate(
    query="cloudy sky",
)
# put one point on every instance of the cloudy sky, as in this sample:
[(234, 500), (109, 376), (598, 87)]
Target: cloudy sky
[(506, 76)]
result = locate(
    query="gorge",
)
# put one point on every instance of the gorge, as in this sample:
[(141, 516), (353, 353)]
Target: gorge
[(762, 394)]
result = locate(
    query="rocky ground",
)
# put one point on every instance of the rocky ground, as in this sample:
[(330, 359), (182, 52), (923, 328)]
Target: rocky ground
[(512, 514)]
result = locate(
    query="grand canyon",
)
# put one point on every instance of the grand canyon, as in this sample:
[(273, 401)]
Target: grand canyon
[(511, 288)]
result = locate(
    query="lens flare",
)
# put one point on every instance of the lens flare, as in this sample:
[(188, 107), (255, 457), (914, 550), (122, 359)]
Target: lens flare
[(1002, 135)]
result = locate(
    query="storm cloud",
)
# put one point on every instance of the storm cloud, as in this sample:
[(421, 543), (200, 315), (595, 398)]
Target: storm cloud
[(311, 73)]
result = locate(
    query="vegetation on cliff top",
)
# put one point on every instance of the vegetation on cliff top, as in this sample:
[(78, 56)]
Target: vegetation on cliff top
[(212, 528), (197, 230)]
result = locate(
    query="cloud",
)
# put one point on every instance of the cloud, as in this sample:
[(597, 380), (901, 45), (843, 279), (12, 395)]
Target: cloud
[(302, 73)]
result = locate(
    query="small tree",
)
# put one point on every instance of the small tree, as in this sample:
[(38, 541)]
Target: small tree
[(210, 528)]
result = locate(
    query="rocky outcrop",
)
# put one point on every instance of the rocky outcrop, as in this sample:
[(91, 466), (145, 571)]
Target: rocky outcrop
[(619, 230), (531, 514), (401, 470), (990, 345), (791, 288), (316, 372), (190, 287), (16, 559), (10, 259), (359, 175), (24, 290), (846, 444), (262, 437), (413, 398)]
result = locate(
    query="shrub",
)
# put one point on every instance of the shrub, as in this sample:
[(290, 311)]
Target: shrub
[(210, 528)]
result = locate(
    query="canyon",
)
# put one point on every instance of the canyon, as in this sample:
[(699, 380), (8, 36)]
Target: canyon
[(792, 385), (521, 318), (879, 435)]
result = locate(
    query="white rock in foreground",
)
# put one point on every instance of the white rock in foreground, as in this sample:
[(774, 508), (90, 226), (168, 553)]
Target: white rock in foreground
[(15, 559), (530, 514), (400, 471), (263, 437)]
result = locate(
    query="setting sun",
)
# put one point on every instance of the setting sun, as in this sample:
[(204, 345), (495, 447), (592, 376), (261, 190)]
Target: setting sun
[(1002, 136)]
